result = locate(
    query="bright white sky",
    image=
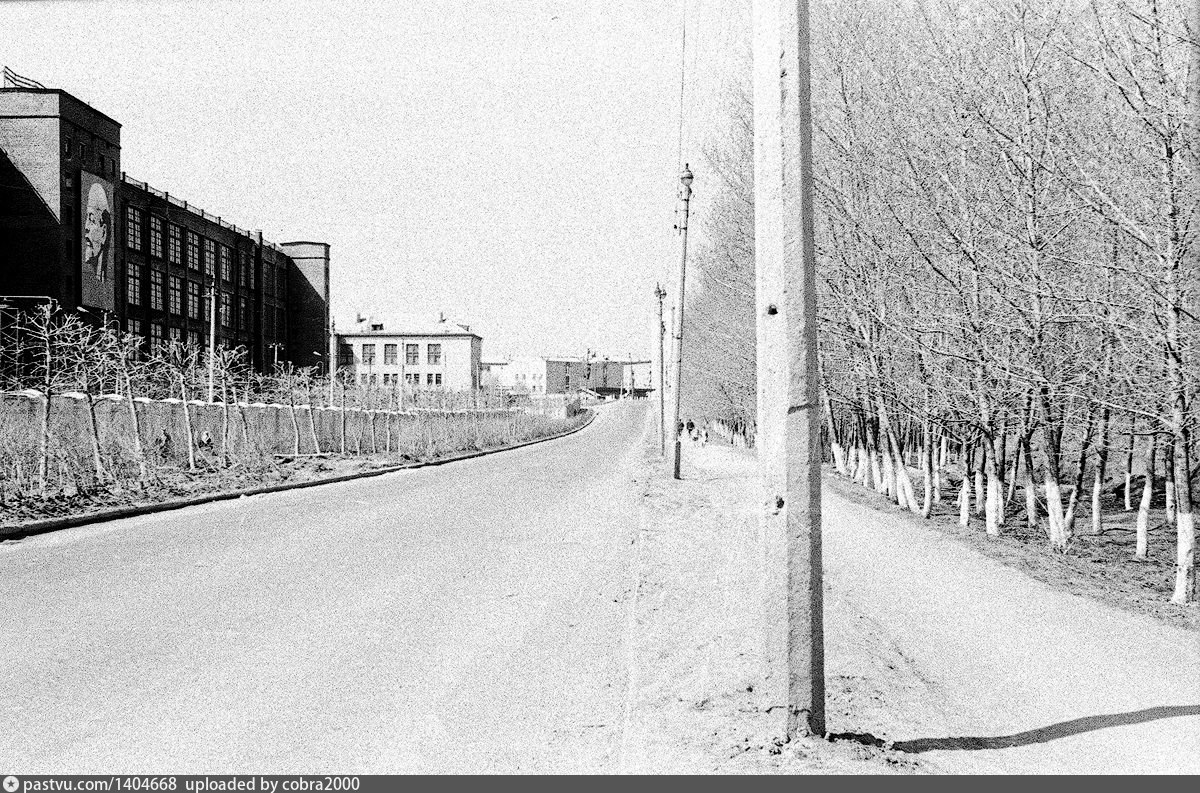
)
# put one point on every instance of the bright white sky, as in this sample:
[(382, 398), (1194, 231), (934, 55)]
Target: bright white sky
[(512, 164)]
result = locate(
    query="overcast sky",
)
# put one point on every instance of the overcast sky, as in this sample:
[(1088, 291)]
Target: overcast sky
[(512, 164)]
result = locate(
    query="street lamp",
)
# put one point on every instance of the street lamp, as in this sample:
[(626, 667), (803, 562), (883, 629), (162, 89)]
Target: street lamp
[(685, 194), (274, 347)]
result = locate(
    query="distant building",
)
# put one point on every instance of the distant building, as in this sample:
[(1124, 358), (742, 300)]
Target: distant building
[(75, 230), (442, 355), (492, 375), (548, 374)]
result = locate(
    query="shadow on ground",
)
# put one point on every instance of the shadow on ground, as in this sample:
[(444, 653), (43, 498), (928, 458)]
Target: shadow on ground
[(1062, 729)]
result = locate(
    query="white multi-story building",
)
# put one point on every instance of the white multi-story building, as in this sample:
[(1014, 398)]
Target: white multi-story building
[(444, 355)]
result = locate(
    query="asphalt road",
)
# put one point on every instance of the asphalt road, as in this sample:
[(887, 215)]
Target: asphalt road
[(464, 618)]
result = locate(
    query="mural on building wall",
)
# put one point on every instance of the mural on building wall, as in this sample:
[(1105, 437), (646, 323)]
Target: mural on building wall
[(98, 241)]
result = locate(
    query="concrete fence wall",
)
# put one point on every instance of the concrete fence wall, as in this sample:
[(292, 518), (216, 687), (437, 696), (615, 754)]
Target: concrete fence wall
[(248, 429)]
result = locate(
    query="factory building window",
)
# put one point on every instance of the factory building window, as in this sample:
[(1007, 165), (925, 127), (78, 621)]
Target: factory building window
[(434, 354), (175, 246), (226, 263), (156, 237), (193, 250), (195, 304), (243, 314), (412, 378), (134, 326), (133, 228), (389, 354), (156, 334), (345, 355), (368, 354), (175, 295), (156, 290), (226, 310), (133, 284), (412, 354), (210, 257), (194, 338), (175, 334)]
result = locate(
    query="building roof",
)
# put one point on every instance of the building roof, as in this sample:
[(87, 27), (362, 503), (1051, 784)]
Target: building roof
[(366, 326)]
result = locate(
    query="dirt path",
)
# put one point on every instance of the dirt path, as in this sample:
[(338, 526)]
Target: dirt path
[(984, 656), (970, 666)]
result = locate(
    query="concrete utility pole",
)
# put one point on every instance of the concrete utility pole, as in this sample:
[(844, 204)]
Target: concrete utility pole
[(333, 358), (788, 437), (212, 337), (685, 194), (661, 332)]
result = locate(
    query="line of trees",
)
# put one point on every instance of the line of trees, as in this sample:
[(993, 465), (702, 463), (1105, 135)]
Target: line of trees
[(111, 411), (1007, 211)]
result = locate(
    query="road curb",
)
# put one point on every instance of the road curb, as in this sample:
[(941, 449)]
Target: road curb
[(47, 525)]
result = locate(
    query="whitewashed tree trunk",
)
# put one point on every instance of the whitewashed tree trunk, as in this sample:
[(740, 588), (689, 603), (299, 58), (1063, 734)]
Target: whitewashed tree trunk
[(980, 486), (1129, 471), (1054, 512), (964, 501), (993, 505), (1029, 486), (1143, 516)]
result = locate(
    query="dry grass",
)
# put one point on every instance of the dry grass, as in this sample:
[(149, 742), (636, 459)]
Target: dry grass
[(421, 437)]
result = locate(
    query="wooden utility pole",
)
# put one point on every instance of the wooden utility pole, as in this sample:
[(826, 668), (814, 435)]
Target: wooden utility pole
[(661, 332), (685, 194), (788, 433)]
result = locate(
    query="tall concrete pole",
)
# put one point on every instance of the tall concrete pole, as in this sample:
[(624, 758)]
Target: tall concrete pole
[(212, 337), (333, 358), (788, 430), (661, 332), (685, 194)]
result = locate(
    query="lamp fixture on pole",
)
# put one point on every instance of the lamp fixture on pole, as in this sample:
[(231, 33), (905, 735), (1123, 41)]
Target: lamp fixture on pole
[(661, 333)]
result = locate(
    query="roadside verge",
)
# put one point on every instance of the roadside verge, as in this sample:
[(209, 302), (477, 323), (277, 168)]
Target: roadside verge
[(32, 528)]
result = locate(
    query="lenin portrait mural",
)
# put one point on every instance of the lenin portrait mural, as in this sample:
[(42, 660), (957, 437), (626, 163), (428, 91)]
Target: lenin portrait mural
[(98, 242)]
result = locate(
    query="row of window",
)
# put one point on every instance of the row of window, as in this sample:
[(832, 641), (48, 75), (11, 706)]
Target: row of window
[(413, 379), (198, 252), (160, 333), (183, 297), (412, 354)]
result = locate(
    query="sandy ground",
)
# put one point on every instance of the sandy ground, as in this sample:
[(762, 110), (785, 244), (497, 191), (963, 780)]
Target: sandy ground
[(965, 664)]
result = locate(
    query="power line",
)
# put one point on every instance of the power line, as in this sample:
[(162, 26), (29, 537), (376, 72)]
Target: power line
[(682, 80)]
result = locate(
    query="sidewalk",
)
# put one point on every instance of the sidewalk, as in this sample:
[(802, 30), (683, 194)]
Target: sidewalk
[(696, 630)]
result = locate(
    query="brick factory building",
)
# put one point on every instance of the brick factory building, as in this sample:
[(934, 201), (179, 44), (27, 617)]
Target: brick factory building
[(76, 230)]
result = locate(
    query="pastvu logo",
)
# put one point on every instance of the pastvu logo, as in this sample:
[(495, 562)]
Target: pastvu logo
[(11, 783)]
